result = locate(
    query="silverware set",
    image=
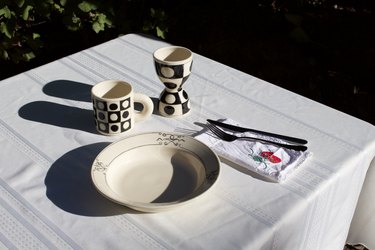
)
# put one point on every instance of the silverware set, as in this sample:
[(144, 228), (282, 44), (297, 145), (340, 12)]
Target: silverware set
[(213, 127)]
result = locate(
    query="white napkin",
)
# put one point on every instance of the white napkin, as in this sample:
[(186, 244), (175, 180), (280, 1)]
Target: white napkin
[(273, 162)]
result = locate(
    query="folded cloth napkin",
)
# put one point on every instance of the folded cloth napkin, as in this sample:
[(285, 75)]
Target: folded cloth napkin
[(273, 162)]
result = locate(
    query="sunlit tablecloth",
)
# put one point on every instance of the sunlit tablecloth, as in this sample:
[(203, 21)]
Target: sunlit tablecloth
[(48, 143)]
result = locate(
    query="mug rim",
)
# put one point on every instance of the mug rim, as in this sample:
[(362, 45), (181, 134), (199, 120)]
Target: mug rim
[(97, 95), (178, 62)]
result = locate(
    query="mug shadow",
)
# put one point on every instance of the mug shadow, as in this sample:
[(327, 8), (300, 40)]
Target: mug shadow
[(69, 185), (59, 115), (67, 89)]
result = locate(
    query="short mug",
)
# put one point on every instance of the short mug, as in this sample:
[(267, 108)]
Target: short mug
[(113, 104)]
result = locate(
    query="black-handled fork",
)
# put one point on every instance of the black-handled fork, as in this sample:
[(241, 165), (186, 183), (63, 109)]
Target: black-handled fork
[(243, 129), (229, 137)]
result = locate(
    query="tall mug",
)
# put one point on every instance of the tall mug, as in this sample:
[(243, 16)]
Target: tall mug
[(173, 66)]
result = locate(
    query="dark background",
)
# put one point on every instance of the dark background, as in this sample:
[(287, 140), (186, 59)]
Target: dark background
[(325, 53), (323, 50)]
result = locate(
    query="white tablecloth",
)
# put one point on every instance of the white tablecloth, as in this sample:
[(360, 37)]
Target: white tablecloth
[(48, 142)]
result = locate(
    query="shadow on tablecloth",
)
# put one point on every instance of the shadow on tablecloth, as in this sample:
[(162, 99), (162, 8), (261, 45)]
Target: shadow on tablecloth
[(59, 115), (70, 90), (69, 185), (78, 91)]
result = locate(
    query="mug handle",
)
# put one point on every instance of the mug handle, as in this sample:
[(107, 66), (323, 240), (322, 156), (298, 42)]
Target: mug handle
[(148, 106)]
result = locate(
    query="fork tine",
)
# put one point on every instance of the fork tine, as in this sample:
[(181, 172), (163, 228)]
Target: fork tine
[(218, 132), (213, 129)]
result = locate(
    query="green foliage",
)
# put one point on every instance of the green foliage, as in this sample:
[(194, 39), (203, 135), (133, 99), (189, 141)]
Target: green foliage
[(23, 22), (16, 36), (157, 23)]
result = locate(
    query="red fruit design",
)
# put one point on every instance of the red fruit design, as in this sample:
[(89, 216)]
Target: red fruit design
[(270, 156), (266, 154)]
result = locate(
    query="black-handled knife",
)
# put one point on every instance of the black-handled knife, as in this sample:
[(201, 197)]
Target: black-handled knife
[(242, 129)]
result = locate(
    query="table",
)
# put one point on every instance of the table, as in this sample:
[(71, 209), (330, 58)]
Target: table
[(48, 143)]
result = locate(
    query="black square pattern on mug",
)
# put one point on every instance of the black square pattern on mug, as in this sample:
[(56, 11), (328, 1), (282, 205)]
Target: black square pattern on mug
[(125, 104), (114, 116), (103, 127), (110, 116), (126, 125), (101, 105)]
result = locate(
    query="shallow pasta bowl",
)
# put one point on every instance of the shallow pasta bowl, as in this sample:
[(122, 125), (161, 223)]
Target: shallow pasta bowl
[(156, 171)]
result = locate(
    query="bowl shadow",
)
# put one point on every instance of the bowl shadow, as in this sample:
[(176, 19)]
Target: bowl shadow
[(69, 185)]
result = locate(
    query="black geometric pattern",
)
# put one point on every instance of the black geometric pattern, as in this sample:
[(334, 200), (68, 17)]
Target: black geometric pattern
[(184, 79), (173, 100), (174, 109), (170, 110), (125, 104), (100, 105), (185, 107), (170, 85), (174, 103), (112, 117), (126, 125), (176, 71), (173, 76)]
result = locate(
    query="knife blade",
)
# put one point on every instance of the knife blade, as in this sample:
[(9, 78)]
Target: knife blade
[(242, 129)]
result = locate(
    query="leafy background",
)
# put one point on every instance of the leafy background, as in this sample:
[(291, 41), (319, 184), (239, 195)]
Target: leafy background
[(321, 49)]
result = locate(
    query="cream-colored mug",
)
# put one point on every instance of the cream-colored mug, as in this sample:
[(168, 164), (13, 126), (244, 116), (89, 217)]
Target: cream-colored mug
[(113, 105), (173, 65)]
